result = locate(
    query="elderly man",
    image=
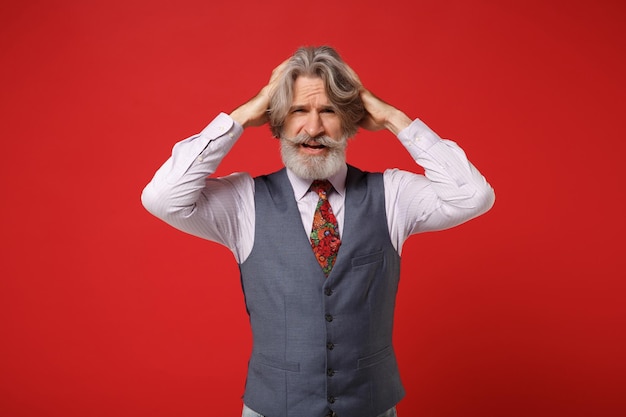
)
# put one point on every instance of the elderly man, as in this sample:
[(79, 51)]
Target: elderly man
[(318, 242)]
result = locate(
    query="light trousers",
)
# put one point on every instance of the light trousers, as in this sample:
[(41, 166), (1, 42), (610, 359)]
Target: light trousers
[(247, 412)]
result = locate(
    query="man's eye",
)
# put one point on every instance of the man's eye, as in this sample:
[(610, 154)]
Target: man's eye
[(328, 111)]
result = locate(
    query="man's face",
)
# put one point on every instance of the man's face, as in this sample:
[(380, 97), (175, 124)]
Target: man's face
[(312, 142)]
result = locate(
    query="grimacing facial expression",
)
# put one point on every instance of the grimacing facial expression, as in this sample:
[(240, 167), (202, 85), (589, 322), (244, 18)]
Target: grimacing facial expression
[(312, 141)]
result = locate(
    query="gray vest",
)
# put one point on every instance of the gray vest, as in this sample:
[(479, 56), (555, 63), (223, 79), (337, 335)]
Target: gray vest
[(321, 344)]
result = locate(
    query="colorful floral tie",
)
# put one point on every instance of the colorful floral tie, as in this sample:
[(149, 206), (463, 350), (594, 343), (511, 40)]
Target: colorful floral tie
[(325, 233)]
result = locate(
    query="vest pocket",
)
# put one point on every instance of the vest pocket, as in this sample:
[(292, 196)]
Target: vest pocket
[(375, 358), (273, 363), (368, 259)]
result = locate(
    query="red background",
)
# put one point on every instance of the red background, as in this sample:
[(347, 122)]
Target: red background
[(106, 311)]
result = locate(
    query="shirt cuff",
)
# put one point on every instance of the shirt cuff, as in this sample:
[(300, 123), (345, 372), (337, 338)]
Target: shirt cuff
[(222, 125), (418, 137), (224, 128)]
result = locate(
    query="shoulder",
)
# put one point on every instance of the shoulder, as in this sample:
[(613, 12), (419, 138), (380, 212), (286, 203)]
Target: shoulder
[(271, 176)]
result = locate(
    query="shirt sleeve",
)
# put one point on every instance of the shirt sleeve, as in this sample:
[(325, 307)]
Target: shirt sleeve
[(451, 191), (182, 195)]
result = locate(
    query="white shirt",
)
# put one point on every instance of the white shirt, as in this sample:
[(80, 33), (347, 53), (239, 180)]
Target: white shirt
[(451, 192)]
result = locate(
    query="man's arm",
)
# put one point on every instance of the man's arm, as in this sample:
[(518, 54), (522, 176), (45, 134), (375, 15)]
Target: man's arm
[(451, 192), (217, 209), (181, 194)]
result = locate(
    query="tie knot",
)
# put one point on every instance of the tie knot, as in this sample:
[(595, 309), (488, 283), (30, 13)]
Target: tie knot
[(321, 187)]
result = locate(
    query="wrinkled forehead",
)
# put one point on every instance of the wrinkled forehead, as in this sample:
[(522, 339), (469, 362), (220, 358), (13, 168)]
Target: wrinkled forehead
[(309, 90)]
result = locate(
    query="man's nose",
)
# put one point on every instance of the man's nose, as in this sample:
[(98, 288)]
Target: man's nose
[(314, 126)]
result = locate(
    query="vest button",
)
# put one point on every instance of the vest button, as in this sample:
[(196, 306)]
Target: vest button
[(330, 346), (330, 372), (329, 318), (328, 291), (331, 399)]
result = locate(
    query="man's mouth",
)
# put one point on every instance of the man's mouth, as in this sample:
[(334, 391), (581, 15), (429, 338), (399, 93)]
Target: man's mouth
[(314, 145)]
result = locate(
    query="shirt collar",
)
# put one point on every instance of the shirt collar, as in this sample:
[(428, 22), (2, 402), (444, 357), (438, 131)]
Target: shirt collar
[(301, 186)]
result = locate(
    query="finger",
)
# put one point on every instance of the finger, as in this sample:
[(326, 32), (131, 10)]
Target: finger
[(277, 72)]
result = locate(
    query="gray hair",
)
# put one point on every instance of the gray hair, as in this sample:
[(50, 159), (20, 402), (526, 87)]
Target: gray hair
[(341, 84)]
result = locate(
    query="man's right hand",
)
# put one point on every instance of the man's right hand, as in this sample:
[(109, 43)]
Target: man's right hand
[(254, 112)]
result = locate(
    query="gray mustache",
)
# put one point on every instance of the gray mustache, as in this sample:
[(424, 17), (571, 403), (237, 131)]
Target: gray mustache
[(321, 140)]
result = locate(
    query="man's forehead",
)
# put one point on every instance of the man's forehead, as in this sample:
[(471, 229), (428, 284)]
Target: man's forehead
[(308, 88)]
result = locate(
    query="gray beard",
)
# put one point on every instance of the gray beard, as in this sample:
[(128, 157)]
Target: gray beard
[(313, 167)]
